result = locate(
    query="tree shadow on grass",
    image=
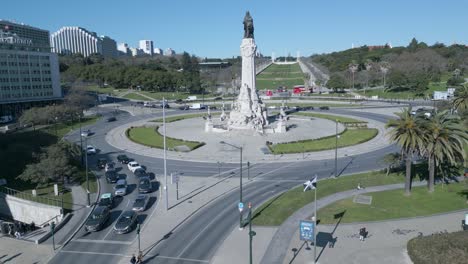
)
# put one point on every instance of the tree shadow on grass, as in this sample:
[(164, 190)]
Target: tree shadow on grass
[(258, 213)]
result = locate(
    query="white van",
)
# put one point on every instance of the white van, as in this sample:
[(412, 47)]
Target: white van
[(191, 98)]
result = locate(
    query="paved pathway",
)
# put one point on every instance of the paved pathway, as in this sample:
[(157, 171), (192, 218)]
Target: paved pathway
[(280, 243)]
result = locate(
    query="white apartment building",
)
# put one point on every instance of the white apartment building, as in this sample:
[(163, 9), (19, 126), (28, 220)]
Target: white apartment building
[(158, 51), (72, 40), (169, 52), (146, 46), (136, 52), (123, 49)]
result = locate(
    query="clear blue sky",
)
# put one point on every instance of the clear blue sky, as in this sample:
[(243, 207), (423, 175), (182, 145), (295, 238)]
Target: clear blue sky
[(213, 28)]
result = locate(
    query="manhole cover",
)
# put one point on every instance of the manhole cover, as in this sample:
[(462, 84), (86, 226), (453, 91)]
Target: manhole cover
[(363, 199)]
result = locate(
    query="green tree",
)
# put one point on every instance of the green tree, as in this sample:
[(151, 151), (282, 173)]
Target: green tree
[(336, 82), (460, 99), (444, 139), (407, 133), (392, 160)]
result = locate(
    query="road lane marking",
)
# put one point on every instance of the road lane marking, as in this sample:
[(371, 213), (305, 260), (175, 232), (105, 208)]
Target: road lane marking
[(128, 256), (103, 241), (112, 227)]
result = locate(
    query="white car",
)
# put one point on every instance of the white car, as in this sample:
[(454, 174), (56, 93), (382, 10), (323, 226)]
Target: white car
[(133, 165), (90, 150), (86, 133)]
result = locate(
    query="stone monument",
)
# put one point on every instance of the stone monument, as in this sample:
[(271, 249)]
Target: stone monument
[(248, 111)]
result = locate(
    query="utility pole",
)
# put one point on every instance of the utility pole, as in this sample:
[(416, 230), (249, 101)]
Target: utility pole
[(315, 223), (248, 170), (81, 141), (336, 149), (87, 178), (165, 165), (251, 233)]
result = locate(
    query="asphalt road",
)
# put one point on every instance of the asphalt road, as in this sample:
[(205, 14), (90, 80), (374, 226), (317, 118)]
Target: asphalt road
[(199, 237)]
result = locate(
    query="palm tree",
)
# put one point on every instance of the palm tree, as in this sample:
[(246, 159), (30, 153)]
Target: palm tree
[(353, 67), (460, 99), (406, 132), (384, 67), (445, 136)]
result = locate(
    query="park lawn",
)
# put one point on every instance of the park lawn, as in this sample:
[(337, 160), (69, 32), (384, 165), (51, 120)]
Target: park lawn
[(149, 136), (277, 75), (104, 90), (394, 204), (273, 84), (439, 248), (347, 138), (340, 119), (276, 210), (171, 95), (313, 104), (135, 96), (64, 128)]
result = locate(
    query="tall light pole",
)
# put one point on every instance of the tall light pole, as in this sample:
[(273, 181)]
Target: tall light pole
[(336, 149), (240, 178), (81, 141), (87, 178), (251, 234), (165, 165)]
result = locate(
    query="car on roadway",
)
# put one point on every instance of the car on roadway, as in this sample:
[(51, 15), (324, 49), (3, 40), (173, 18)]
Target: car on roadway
[(184, 107), (111, 176), (140, 203), (111, 119), (106, 199), (90, 150), (120, 188), (86, 133), (140, 173), (123, 159), (144, 185), (109, 167), (101, 163), (126, 222), (133, 165), (97, 219)]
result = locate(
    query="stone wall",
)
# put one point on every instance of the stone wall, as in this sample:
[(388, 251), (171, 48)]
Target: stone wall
[(28, 211)]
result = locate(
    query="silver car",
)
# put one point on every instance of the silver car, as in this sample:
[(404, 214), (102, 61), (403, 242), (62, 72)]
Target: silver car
[(140, 204), (120, 188)]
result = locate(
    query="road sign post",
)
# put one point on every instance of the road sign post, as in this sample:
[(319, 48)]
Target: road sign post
[(52, 228), (241, 208)]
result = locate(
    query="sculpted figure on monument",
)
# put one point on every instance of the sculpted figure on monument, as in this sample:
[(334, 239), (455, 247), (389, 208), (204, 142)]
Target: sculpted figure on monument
[(248, 26)]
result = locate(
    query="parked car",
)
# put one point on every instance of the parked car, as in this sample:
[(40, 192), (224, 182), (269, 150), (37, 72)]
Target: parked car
[(90, 150), (111, 177), (140, 172), (324, 107), (144, 185), (109, 166), (218, 98), (140, 203), (165, 104), (111, 119), (86, 133), (107, 199), (120, 188), (96, 220), (126, 222), (123, 159), (101, 163), (184, 107), (133, 165)]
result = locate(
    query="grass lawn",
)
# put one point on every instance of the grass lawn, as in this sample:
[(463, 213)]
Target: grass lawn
[(64, 128), (277, 75), (171, 95), (439, 248), (149, 137), (135, 96), (340, 119), (394, 204), (275, 211), (178, 118), (104, 90), (312, 104), (348, 138), (273, 83)]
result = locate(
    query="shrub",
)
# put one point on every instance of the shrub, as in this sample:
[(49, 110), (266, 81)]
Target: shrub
[(439, 248)]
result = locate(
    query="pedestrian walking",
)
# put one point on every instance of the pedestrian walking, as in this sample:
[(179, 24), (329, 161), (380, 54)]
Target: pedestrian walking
[(362, 233), (133, 259), (140, 258)]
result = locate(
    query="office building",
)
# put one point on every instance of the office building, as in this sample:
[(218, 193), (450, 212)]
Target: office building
[(158, 51), (29, 72), (169, 52), (146, 46), (123, 49), (136, 52), (73, 40)]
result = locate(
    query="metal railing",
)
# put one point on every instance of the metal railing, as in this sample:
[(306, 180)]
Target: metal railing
[(43, 199)]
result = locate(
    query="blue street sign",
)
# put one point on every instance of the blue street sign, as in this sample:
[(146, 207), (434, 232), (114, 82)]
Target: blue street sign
[(306, 230), (241, 207)]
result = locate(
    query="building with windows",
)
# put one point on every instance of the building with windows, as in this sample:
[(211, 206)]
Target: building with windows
[(29, 72), (123, 49), (136, 52), (73, 40), (146, 46), (158, 51), (169, 52)]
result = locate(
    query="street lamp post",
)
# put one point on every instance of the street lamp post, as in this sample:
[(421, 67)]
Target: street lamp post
[(81, 141), (248, 170), (165, 165), (56, 120), (86, 167), (251, 233), (240, 178), (336, 149)]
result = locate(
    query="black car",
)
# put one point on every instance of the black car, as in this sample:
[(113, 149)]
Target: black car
[(123, 159), (144, 185), (184, 107), (97, 219), (324, 108), (101, 163), (112, 177), (140, 172), (126, 222), (111, 119)]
